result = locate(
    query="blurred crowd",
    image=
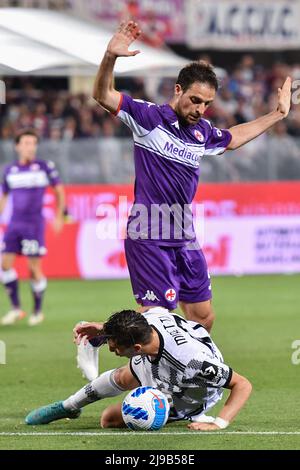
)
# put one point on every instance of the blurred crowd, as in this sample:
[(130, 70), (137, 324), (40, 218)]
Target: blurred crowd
[(246, 92)]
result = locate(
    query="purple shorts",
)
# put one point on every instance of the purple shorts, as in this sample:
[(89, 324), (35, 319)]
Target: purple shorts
[(24, 238), (162, 275)]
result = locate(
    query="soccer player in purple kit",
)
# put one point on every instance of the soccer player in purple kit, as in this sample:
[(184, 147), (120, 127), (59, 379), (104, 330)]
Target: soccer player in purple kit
[(166, 265), (169, 142), (26, 180)]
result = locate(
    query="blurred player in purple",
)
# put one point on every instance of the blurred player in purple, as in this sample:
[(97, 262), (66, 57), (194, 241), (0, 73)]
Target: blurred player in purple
[(26, 181), (169, 142)]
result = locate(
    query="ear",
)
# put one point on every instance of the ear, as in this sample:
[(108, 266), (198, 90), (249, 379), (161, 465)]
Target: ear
[(178, 90), (138, 348)]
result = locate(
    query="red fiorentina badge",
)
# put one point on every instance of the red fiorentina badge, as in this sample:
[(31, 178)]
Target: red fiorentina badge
[(199, 136), (170, 295)]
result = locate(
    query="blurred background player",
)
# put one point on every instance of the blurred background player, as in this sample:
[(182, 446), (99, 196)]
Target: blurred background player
[(26, 179)]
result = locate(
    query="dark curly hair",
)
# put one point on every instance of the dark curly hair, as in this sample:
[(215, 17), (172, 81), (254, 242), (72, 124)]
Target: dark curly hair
[(23, 133), (197, 72), (127, 328)]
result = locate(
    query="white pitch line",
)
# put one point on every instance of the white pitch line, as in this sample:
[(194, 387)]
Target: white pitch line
[(131, 433)]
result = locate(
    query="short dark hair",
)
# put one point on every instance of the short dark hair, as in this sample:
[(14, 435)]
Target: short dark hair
[(199, 71), (25, 132), (127, 328)]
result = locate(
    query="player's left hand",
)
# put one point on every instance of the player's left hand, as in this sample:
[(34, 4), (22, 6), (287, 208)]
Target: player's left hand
[(203, 427), (284, 97), (58, 224), (86, 331)]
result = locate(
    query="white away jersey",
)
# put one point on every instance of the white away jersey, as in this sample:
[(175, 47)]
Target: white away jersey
[(189, 367)]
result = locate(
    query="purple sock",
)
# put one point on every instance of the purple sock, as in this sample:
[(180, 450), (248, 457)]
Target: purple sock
[(12, 289), (10, 281), (38, 291)]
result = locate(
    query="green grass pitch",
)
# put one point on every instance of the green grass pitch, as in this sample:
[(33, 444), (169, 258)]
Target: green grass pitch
[(258, 318)]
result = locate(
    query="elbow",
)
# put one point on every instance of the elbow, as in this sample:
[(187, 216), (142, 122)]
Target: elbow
[(234, 144), (241, 384), (97, 97), (247, 387), (100, 99)]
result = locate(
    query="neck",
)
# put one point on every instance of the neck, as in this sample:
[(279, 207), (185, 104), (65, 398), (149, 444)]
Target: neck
[(152, 348), (24, 161), (173, 104)]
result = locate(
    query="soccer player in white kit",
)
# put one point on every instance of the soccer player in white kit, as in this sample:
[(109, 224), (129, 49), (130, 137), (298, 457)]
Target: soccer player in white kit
[(166, 352)]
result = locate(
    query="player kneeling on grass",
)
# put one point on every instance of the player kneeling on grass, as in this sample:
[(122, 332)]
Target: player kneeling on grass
[(166, 352)]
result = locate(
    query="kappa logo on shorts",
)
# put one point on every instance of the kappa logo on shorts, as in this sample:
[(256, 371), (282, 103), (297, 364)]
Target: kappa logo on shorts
[(170, 295), (150, 296)]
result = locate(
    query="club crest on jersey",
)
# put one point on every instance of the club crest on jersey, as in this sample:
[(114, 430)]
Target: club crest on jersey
[(35, 167), (199, 136), (170, 295)]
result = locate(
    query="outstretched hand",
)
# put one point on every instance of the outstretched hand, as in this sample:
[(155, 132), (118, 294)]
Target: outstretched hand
[(126, 34), (86, 331), (284, 97), (203, 427)]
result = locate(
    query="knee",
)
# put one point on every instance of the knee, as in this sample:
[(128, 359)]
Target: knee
[(209, 319), (206, 318), (36, 274), (203, 314), (6, 264)]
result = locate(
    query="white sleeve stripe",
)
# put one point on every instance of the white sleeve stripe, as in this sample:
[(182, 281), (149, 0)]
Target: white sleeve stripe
[(215, 151), (132, 124)]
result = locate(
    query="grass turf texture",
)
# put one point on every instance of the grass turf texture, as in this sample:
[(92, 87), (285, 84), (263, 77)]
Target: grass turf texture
[(257, 321)]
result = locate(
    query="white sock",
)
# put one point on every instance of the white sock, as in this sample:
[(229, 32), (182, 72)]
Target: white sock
[(39, 286), (103, 386), (9, 276)]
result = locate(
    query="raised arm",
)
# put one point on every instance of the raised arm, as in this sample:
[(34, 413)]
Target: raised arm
[(243, 133), (104, 91), (240, 390)]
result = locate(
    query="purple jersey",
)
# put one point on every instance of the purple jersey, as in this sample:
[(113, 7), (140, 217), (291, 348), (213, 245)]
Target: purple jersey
[(27, 184), (167, 157)]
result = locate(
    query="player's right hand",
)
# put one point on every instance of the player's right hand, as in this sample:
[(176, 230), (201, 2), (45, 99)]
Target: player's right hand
[(86, 330), (126, 34)]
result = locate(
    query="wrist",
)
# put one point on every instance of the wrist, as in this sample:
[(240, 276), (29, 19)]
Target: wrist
[(221, 423), (278, 115), (110, 55)]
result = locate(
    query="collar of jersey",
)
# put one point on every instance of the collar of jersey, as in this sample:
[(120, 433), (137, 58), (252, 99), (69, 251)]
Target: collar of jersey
[(161, 347)]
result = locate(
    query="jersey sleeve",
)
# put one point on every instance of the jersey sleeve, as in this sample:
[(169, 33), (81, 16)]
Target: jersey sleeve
[(52, 174), (140, 116), (208, 372), (217, 142)]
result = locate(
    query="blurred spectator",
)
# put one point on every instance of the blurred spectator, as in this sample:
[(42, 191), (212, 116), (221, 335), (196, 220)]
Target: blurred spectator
[(154, 30), (284, 154), (246, 92)]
